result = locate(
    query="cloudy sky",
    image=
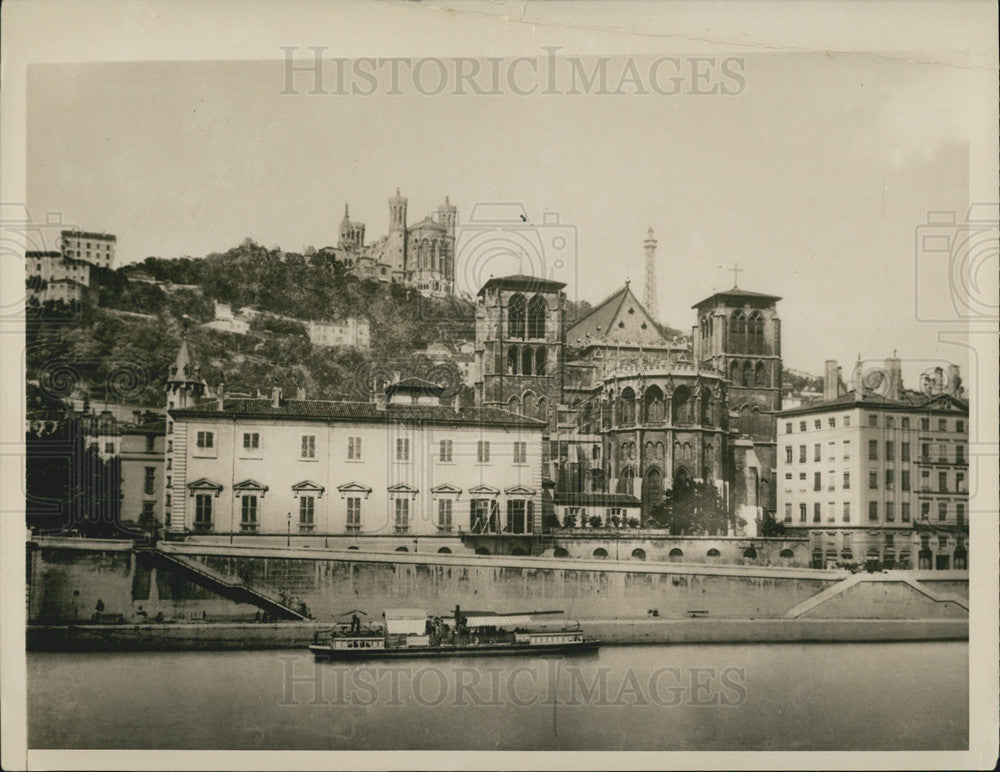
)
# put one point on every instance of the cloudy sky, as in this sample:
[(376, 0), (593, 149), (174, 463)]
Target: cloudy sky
[(813, 177)]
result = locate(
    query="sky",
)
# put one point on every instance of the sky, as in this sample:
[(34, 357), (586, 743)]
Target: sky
[(814, 178)]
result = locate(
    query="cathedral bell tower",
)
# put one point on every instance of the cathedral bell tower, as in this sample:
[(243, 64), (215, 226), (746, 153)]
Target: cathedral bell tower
[(184, 384), (519, 345)]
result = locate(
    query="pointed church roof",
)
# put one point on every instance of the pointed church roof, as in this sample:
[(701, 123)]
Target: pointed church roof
[(182, 364), (619, 319)]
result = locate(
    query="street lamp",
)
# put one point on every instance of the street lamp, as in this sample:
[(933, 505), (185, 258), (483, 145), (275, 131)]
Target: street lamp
[(288, 541)]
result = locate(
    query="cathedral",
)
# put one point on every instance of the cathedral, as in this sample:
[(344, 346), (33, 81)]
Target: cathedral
[(421, 255), (630, 409)]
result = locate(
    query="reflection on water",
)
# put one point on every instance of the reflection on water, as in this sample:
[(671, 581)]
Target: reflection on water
[(763, 697)]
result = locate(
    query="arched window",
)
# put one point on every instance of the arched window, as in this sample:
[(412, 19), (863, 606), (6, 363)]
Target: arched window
[(518, 551), (482, 551), (680, 405), (529, 404), (745, 376), (787, 553), (626, 411), (444, 551), (707, 408), (401, 549), (514, 405), (755, 333), (760, 375), (540, 360), (713, 553), (653, 405), (526, 361), (734, 372), (676, 553), (750, 553), (739, 323), (600, 552), (536, 317), (543, 409), (513, 361), (638, 554), (625, 482), (516, 312), (560, 552), (652, 489)]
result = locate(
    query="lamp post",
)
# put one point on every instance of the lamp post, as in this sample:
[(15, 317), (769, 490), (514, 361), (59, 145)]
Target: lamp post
[(288, 540)]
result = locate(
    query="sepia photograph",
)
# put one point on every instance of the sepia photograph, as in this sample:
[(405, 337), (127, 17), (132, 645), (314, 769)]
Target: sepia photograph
[(492, 384)]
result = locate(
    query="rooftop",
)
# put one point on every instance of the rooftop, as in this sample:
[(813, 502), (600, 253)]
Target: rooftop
[(523, 282), (908, 400), (737, 295), (322, 410)]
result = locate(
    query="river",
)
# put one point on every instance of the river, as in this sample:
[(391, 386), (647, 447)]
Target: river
[(726, 697)]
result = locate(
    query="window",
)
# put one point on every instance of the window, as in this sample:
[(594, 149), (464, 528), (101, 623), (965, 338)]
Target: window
[(925, 451), (904, 423), (904, 480), (353, 514), (147, 511), (206, 439), (444, 451), (831, 450), (960, 514), (402, 449), (873, 450), (168, 499), (873, 510), (518, 516), (353, 448), (847, 512), (248, 513), (483, 451), (307, 511), (904, 511), (942, 511), (890, 423), (832, 422), (873, 480), (890, 451), (831, 480), (890, 542), (788, 427), (802, 426), (960, 454), (150, 482), (959, 426), (788, 454), (847, 448), (925, 424), (802, 454), (904, 451), (402, 520), (817, 482), (816, 512), (960, 482), (889, 479), (817, 424), (942, 424), (150, 440), (847, 481), (444, 514), (942, 481), (890, 511), (847, 420), (925, 510), (831, 512), (788, 512), (943, 453), (520, 453), (873, 420), (802, 513), (251, 440), (109, 447), (308, 446), (942, 542), (817, 452)]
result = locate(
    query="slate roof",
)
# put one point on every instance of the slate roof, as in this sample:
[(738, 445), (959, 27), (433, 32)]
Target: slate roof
[(321, 410), (520, 281), (738, 296), (598, 324), (909, 400)]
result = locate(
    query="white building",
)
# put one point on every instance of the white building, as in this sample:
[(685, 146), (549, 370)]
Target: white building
[(402, 465), (350, 332), (879, 474), (95, 248), (54, 276)]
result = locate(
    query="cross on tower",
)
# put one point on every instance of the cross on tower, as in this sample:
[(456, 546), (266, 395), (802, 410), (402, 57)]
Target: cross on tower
[(736, 272)]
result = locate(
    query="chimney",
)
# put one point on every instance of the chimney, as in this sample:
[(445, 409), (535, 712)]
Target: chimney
[(894, 371), (831, 380), (220, 394), (300, 393), (841, 388), (380, 400), (859, 381), (955, 381), (276, 396)]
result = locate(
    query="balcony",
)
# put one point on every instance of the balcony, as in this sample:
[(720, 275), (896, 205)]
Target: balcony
[(248, 527)]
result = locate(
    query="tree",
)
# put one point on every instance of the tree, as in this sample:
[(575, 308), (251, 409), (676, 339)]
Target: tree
[(692, 509)]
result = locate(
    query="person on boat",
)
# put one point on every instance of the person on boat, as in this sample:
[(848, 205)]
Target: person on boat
[(355, 623)]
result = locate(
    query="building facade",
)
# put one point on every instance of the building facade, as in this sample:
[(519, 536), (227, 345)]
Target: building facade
[(53, 276), (404, 464), (878, 474), (98, 249), (142, 451)]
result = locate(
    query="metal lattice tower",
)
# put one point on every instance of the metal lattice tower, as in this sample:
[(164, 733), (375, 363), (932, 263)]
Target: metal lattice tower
[(650, 295)]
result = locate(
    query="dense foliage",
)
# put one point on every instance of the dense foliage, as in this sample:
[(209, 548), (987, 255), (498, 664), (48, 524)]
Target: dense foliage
[(692, 509)]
